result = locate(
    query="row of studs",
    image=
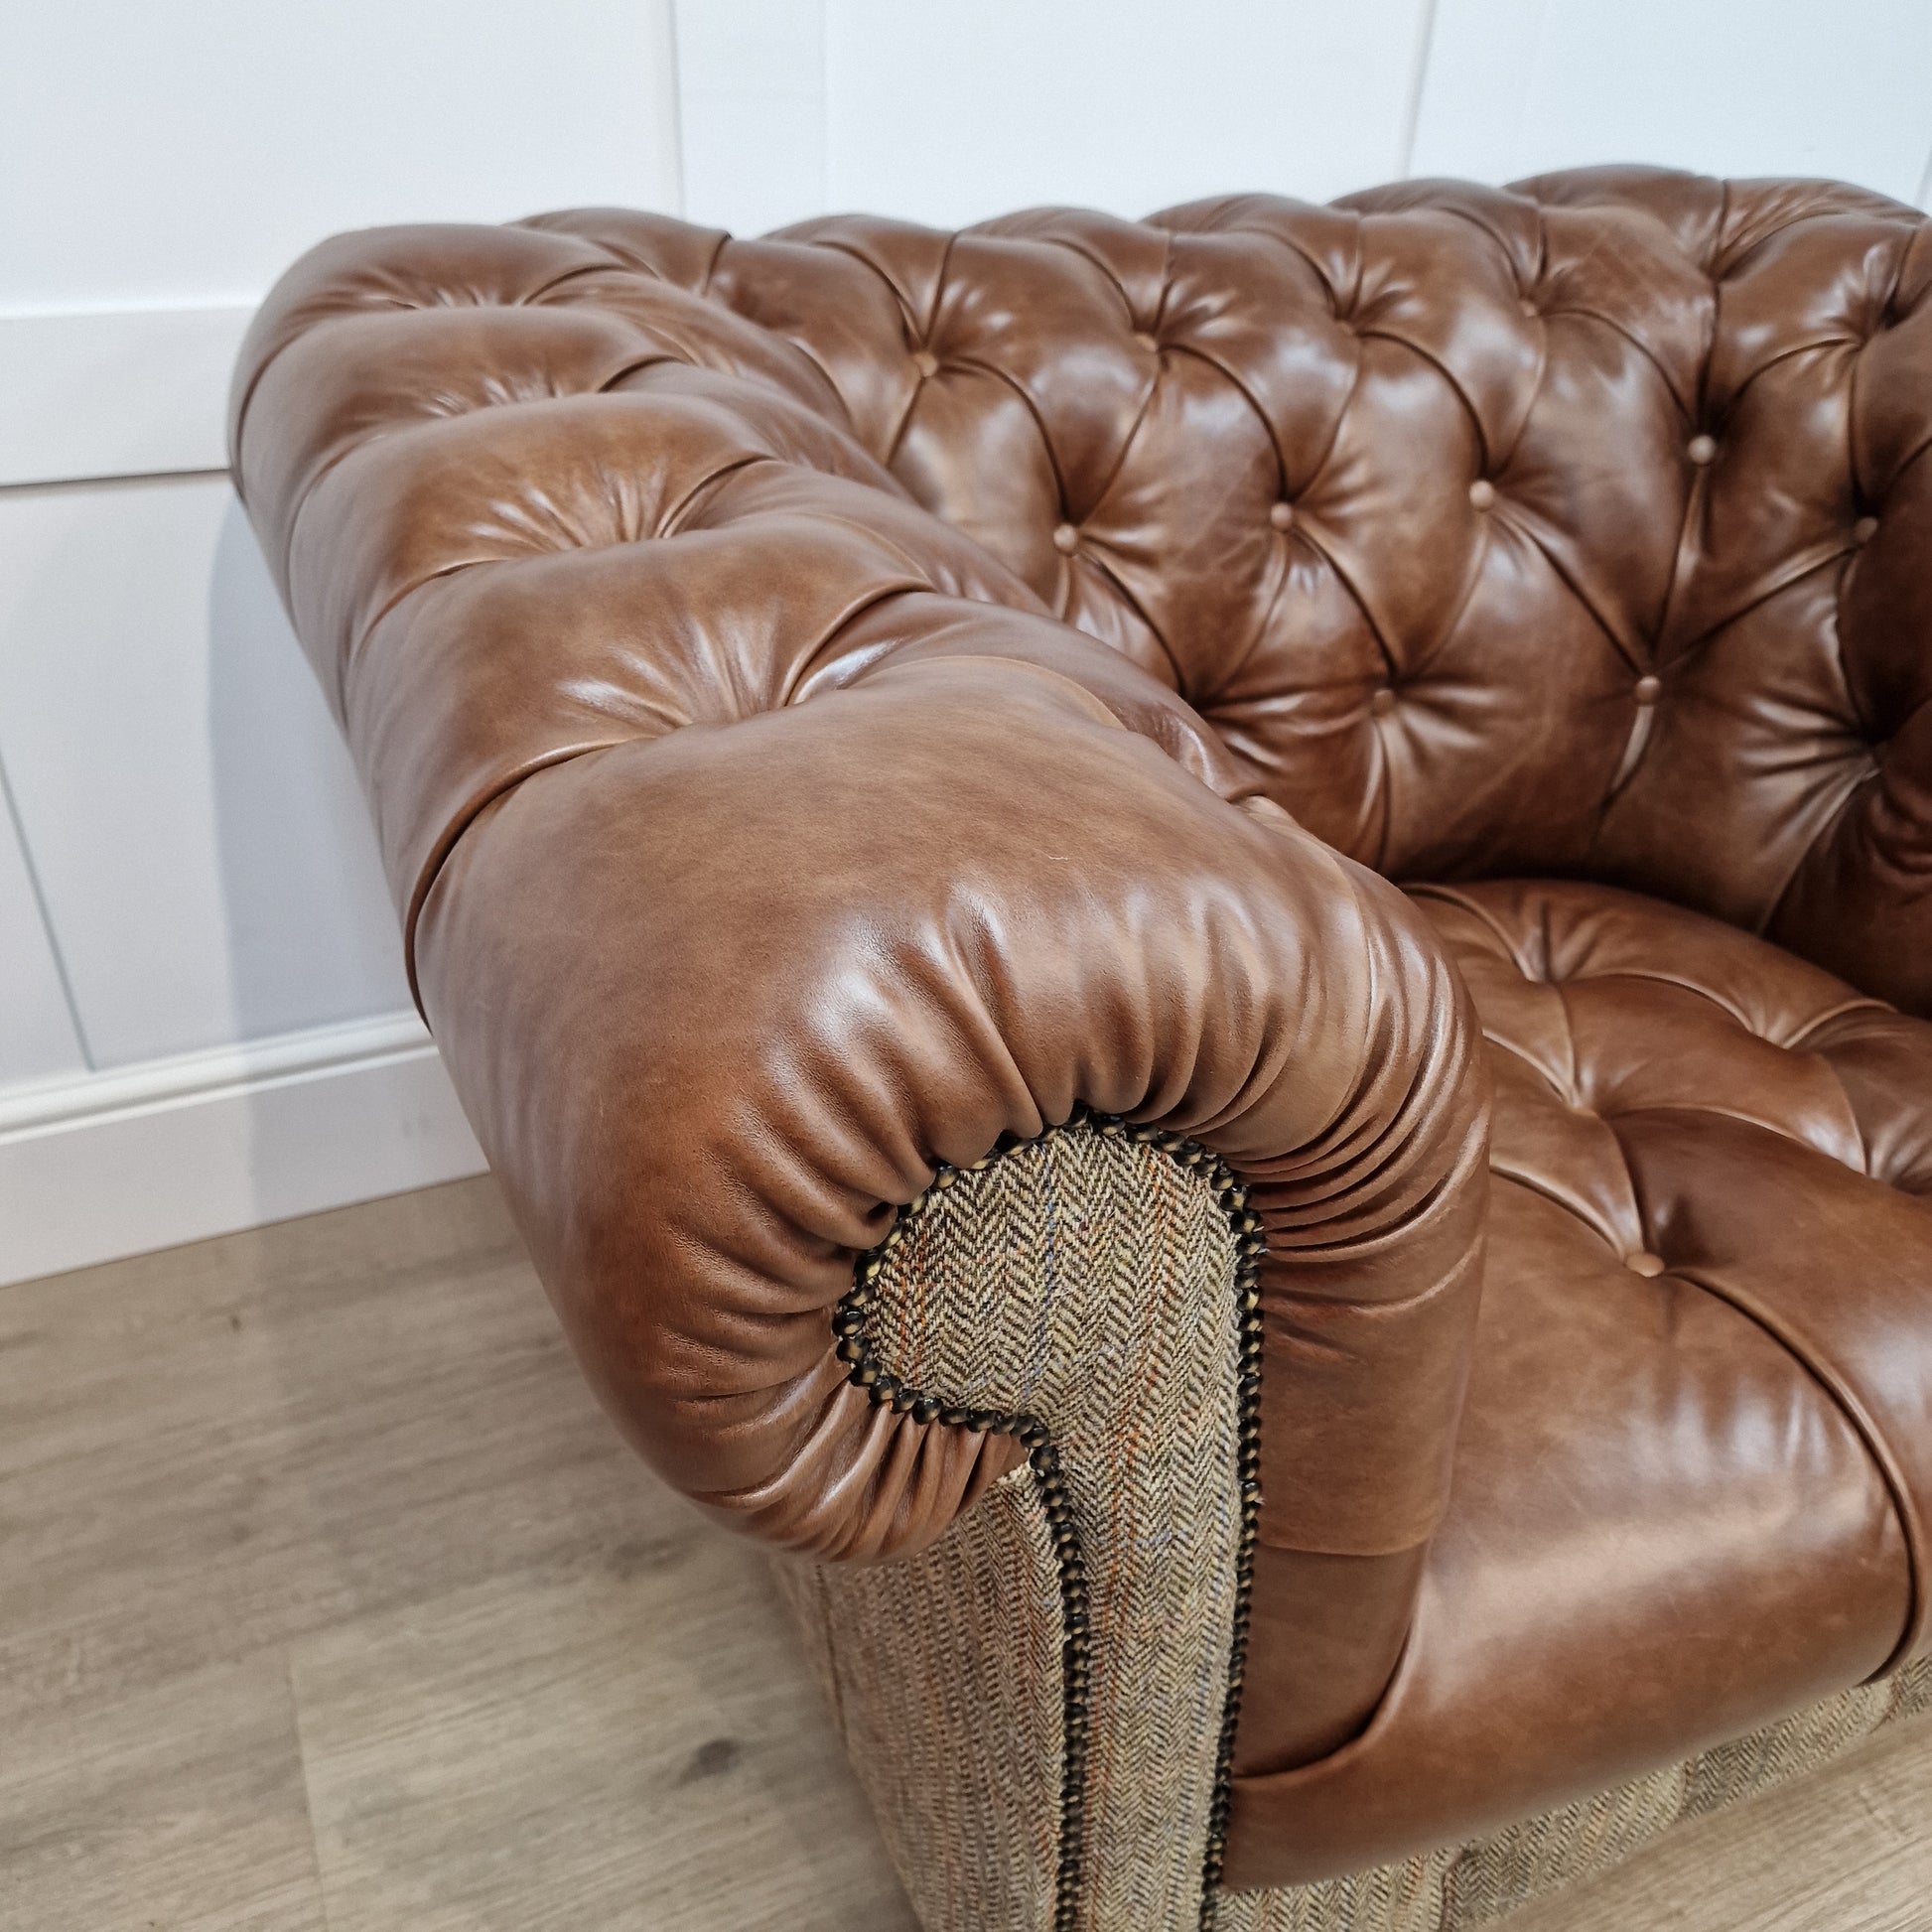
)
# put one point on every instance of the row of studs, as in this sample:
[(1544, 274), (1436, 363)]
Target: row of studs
[(851, 1324)]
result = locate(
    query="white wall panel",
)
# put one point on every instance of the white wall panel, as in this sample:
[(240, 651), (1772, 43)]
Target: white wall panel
[(186, 810), (1725, 86), (38, 1040), (201, 849), (948, 114), (119, 393), (184, 154), (1468, 120), (751, 106)]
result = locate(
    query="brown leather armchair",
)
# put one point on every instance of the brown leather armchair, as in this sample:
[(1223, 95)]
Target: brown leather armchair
[(981, 819)]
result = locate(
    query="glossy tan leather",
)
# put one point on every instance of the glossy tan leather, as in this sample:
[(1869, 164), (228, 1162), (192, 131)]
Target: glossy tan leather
[(1692, 1475), (832, 700), (761, 840)]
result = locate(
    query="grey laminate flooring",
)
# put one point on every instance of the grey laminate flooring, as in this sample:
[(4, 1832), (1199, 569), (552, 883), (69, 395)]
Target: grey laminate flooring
[(330, 1602)]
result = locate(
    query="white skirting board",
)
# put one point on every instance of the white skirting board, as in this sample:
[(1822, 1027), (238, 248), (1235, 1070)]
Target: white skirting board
[(115, 1164)]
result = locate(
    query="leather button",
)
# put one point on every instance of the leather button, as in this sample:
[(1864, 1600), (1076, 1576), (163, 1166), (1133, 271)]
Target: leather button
[(1383, 702), (1529, 308), (925, 363), (1865, 529), (1483, 493), (1282, 516), (1701, 448), (1066, 539), (1644, 1263), (1648, 690), (1145, 340)]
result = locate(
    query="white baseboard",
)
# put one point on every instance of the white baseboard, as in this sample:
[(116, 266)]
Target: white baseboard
[(116, 1164)]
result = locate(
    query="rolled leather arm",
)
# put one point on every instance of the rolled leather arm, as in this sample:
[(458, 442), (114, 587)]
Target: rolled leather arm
[(762, 842), (717, 1002)]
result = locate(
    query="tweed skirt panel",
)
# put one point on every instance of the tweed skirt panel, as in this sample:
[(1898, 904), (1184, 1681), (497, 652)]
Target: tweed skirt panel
[(960, 1644)]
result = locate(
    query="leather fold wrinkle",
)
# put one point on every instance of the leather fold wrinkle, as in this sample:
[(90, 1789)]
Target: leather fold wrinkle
[(1742, 1211)]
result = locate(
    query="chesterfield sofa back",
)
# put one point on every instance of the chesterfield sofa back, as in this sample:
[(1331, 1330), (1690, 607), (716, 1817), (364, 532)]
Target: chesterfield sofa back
[(1200, 952)]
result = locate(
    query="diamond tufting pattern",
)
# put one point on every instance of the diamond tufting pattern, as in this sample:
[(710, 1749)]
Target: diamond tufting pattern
[(1493, 532), (1692, 1475)]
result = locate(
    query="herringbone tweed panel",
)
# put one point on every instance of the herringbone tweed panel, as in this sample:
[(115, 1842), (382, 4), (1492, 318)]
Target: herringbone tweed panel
[(1088, 1280), (962, 1644), (1474, 1884)]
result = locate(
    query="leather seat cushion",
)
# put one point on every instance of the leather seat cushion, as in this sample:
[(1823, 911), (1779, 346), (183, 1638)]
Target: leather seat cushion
[(1694, 1475)]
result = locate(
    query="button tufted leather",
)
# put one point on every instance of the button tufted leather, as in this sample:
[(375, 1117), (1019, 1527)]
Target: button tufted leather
[(688, 468), (1800, 741), (1693, 1476), (831, 699)]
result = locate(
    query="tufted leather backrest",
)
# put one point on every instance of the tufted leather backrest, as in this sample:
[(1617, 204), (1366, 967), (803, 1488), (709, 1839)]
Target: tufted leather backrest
[(1576, 528)]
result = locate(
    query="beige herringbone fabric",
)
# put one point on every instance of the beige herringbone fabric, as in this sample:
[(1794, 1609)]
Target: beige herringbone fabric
[(1088, 1280), (1475, 1884), (960, 1644)]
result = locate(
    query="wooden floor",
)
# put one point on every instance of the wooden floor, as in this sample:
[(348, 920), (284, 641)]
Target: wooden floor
[(329, 1603)]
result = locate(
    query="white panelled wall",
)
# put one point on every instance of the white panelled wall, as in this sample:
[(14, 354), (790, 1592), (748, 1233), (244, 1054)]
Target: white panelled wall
[(203, 1019)]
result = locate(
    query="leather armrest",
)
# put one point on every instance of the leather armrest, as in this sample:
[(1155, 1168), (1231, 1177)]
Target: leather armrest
[(715, 1000), (761, 840)]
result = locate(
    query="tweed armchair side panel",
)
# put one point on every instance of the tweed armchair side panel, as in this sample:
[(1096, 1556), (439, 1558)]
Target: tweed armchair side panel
[(1091, 1279)]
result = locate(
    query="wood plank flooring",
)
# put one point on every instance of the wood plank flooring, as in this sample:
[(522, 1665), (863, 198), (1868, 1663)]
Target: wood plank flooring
[(329, 1603)]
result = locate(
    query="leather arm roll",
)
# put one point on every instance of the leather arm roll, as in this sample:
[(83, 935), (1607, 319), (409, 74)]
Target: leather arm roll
[(717, 1001), (760, 842)]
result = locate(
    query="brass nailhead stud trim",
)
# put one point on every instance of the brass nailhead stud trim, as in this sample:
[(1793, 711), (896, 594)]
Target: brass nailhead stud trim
[(849, 1320)]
